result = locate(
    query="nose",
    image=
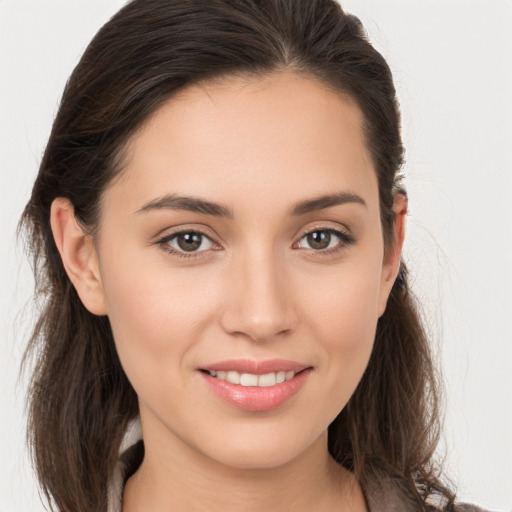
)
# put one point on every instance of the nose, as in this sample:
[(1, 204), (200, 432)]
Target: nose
[(259, 298)]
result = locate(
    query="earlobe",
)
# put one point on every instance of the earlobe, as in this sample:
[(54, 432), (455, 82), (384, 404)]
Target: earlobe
[(392, 259), (79, 255)]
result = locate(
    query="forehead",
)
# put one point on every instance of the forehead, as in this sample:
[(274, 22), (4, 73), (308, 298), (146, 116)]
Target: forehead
[(274, 136)]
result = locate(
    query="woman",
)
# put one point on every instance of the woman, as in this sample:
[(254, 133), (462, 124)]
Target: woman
[(217, 227)]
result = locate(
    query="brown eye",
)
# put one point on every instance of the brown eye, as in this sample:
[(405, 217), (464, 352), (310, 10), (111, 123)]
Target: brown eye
[(322, 239), (188, 241), (319, 239)]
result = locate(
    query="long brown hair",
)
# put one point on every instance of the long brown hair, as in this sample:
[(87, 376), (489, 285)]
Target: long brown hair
[(80, 398)]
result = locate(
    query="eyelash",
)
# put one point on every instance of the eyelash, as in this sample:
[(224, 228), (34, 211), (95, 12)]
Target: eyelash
[(345, 240)]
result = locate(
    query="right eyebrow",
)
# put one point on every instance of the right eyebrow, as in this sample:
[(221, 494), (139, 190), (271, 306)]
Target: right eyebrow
[(188, 203)]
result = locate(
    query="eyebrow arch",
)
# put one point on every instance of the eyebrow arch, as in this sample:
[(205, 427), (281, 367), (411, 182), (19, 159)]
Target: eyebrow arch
[(188, 203), (198, 205), (322, 202)]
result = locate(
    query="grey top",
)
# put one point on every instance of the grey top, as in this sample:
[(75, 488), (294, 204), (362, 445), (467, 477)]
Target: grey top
[(379, 499)]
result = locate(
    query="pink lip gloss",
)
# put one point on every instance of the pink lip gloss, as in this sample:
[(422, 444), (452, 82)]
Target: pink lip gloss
[(256, 398)]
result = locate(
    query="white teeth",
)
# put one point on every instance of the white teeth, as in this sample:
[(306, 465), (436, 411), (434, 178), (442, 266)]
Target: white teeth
[(268, 379), (247, 379), (280, 377), (250, 379), (233, 377)]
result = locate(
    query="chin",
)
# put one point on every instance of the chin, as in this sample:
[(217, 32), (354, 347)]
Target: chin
[(256, 459), (261, 450)]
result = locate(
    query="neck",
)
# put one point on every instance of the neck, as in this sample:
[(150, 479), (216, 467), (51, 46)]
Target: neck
[(178, 478)]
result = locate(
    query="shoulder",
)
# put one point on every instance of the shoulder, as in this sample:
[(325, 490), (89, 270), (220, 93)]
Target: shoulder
[(458, 507), (466, 507), (392, 496), (131, 453)]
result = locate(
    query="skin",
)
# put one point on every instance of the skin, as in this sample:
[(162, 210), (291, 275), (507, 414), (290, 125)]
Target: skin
[(256, 289)]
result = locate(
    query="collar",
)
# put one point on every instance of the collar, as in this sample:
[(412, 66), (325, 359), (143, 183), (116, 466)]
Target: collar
[(379, 498)]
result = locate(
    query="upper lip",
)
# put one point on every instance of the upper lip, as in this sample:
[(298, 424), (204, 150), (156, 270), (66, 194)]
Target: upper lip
[(256, 367)]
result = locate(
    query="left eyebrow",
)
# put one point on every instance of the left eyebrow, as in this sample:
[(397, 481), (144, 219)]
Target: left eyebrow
[(199, 205), (327, 201)]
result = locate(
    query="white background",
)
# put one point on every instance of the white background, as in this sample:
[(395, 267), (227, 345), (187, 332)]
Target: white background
[(452, 66)]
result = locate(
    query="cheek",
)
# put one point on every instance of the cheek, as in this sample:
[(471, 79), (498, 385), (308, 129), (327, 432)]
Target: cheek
[(157, 318), (345, 313), (346, 304)]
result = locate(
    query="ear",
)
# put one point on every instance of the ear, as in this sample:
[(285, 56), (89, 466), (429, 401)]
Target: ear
[(392, 258), (79, 255)]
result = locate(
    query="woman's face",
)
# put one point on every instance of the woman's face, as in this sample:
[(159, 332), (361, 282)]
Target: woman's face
[(242, 239)]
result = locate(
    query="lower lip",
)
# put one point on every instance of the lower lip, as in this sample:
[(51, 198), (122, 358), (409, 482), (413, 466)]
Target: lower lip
[(255, 398)]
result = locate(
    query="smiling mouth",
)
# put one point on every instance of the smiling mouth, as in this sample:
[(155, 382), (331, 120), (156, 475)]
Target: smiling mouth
[(251, 379), (271, 384)]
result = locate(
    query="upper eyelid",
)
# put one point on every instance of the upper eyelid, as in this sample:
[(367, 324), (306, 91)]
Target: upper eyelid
[(345, 237), (324, 228), (172, 232), (166, 239), (347, 233)]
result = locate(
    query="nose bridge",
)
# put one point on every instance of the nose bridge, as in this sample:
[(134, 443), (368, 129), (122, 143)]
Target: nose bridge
[(260, 303)]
